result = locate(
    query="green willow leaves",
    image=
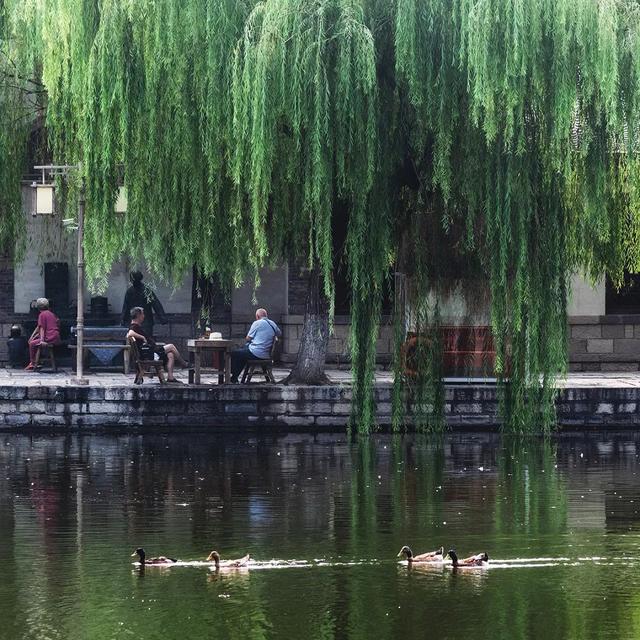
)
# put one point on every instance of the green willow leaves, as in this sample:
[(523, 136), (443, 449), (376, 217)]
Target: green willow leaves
[(467, 141)]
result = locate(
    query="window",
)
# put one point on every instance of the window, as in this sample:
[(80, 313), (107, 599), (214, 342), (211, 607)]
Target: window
[(626, 299)]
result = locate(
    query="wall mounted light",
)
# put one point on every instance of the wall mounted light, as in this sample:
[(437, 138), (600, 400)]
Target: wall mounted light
[(122, 201), (45, 201)]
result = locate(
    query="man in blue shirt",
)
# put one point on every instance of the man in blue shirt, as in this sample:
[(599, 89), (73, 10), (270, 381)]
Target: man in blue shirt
[(259, 342)]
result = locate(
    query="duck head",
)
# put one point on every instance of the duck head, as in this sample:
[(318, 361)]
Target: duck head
[(454, 557), (485, 557), (406, 552), (140, 553), (214, 556)]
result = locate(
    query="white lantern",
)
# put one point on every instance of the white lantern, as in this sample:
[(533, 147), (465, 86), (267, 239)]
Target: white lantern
[(44, 200), (122, 200)]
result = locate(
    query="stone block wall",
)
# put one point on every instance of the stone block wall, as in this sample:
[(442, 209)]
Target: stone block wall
[(339, 349), (6, 304), (338, 352), (604, 343), (5, 334), (596, 343), (327, 408), (6, 286), (177, 331)]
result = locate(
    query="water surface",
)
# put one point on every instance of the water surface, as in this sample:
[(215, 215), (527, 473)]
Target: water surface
[(324, 519)]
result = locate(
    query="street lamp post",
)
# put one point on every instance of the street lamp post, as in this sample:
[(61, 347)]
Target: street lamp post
[(48, 209), (80, 379), (45, 205)]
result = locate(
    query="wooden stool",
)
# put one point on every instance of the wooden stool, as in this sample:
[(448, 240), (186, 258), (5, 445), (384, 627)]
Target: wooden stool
[(154, 367), (265, 364), (252, 365), (45, 350)]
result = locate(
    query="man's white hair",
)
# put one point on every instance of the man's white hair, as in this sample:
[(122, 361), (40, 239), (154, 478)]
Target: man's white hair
[(262, 313)]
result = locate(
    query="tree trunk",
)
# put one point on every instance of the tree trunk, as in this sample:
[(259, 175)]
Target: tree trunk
[(312, 353)]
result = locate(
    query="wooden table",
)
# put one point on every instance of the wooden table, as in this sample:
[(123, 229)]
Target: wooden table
[(200, 346)]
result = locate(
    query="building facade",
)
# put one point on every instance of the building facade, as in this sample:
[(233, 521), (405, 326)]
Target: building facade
[(604, 332)]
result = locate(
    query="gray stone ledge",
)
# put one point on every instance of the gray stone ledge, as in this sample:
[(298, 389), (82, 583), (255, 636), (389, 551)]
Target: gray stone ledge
[(332, 421), (587, 331), (13, 393), (305, 408), (266, 406), (575, 320), (605, 357), (297, 421), (250, 408)]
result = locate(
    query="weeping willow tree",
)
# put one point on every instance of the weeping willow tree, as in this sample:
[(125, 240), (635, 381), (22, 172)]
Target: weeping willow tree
[(496, 137), (524, 136), (240, 127), (20, 104), (305, 119)]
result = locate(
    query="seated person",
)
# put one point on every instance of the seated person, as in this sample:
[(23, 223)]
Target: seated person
[(259, 342), (46, 333), (147, 345), (18, 347)]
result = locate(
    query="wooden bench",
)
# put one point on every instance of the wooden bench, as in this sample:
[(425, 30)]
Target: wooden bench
[(105, 343), (266, 364)]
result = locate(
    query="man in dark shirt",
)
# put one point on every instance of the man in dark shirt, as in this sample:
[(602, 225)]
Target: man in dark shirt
[(147, 346), (140, 295)]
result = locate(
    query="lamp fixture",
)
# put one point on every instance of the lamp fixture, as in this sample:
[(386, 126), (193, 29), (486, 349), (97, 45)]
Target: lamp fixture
[(45, 200), (122, 200)]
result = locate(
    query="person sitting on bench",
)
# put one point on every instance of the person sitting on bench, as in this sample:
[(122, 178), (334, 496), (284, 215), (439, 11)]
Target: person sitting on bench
[(147, 346), (259, 342), (46, 333)]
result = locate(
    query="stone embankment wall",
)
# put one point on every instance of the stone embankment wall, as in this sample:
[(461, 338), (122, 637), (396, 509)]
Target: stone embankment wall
[(278, 407), (604, 343)]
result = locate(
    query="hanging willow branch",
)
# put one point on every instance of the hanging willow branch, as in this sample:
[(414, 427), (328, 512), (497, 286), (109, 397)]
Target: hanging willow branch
[(527, 132), (500, 137)]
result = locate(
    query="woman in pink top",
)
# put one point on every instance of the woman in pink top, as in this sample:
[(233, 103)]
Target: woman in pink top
[(47, 332)]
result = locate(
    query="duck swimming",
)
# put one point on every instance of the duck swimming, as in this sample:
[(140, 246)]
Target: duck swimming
[(142, 558), (214, 557), (477, 561), (431, 556)]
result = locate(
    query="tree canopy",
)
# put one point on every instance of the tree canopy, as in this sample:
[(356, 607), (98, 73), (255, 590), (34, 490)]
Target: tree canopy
[(463, 139)]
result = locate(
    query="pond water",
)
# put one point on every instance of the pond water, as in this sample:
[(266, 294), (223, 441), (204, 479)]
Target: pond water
[(324, 519)]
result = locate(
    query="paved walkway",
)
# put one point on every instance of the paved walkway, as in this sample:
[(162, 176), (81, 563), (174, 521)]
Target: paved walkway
[(100, 379)]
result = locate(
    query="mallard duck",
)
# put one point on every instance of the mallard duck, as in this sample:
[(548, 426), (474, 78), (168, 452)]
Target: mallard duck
[(142, 558), (479, 560), (431, 556), (214, 557)]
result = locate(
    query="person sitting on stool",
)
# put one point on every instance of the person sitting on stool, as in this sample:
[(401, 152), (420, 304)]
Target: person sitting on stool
[(17, 345), (46, 333), (259, 342)]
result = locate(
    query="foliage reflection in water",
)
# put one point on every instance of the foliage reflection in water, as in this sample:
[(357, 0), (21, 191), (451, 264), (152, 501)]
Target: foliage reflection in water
[(559, 520)]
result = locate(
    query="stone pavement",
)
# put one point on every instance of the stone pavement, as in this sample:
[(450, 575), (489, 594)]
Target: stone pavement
[(66, 377)]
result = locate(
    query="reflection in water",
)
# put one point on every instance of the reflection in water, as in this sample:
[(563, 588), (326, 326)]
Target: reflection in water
[(324, 518), (530, 495)]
